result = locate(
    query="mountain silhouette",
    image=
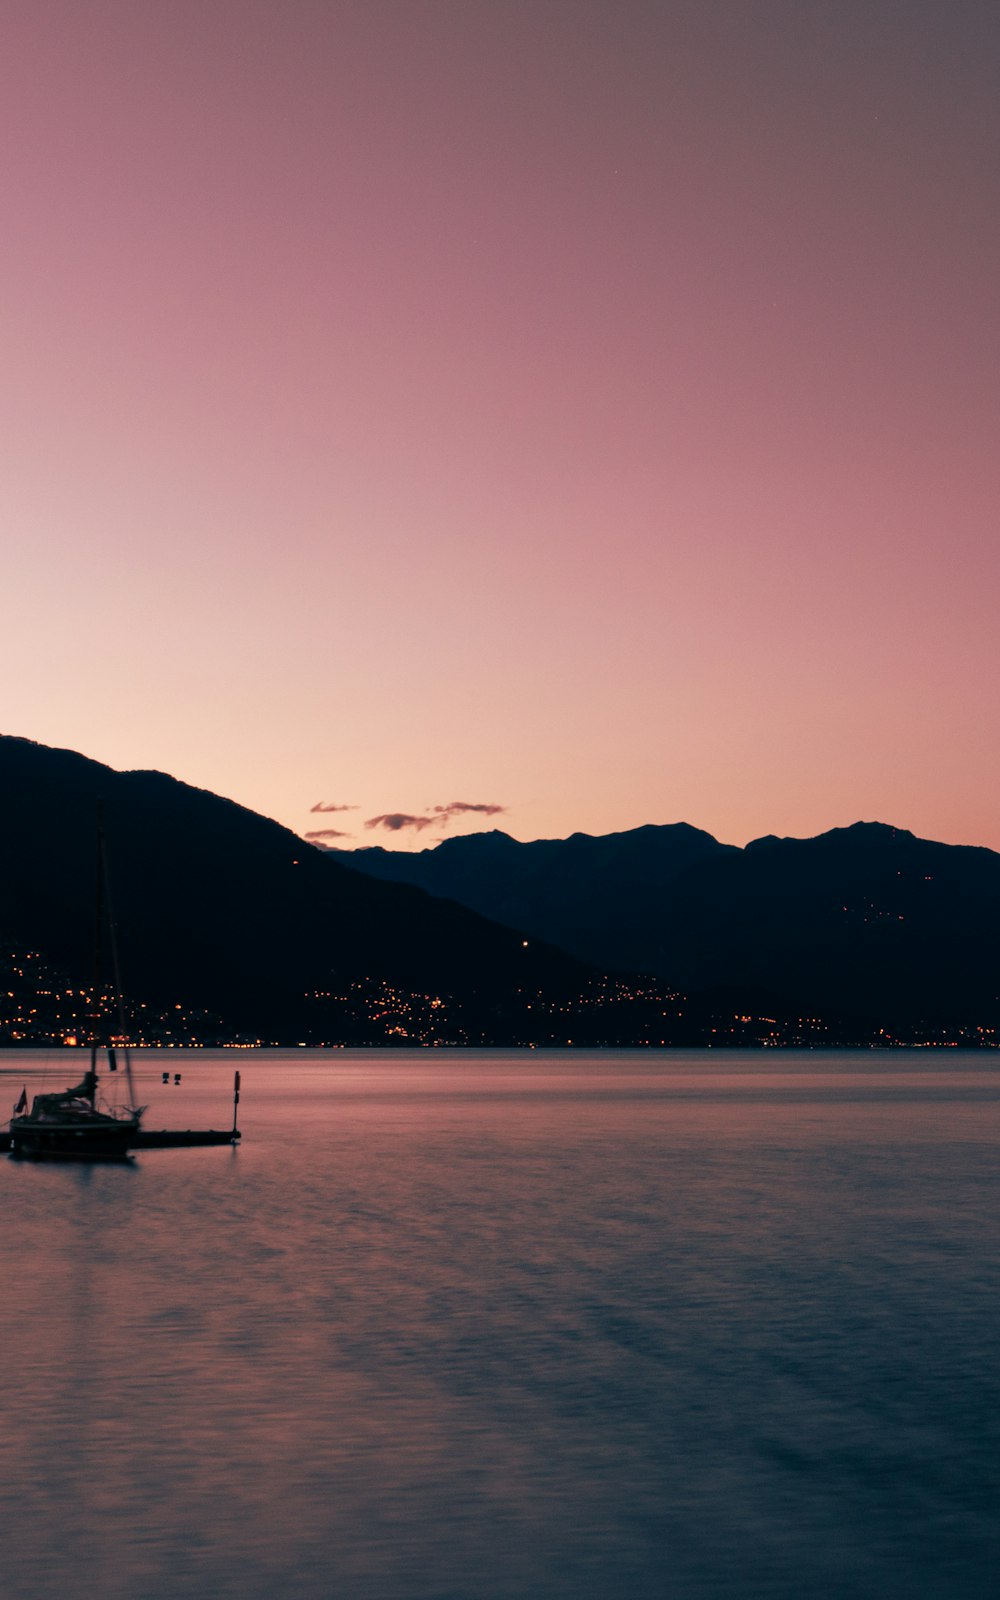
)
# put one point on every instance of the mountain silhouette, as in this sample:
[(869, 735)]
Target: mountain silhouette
[(484, 939), (866, 920), (219, 908), (601, 898)]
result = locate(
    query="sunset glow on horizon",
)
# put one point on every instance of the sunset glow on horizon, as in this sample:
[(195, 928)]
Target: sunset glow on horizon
[(550, 417)]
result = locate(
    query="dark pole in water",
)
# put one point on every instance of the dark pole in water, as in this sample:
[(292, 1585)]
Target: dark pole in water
[(236, 1101), (95, 1002)]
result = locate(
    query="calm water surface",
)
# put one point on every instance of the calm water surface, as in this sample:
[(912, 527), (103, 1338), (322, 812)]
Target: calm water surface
[(486, 1326)]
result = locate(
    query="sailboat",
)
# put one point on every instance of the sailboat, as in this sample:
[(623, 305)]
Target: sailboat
[(74, 1123)]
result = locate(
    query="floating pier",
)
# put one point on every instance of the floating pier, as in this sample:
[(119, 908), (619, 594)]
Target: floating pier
[(176, 1138)]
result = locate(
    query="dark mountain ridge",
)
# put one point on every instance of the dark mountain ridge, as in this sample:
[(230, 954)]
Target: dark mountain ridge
[(866, 920), (224, 912), (563, 890), (220, 908)]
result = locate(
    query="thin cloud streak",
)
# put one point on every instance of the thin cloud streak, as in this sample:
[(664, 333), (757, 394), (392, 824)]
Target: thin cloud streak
[(321, 805), (461, 808), (434, 816), (325, 833)]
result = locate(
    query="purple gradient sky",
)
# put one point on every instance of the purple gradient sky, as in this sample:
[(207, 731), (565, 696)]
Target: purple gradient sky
[(585, 407)]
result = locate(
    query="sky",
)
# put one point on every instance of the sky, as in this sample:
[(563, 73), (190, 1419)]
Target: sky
[(565, 414)]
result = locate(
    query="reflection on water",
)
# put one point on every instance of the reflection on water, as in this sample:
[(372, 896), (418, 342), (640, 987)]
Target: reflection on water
[(511, 1326)]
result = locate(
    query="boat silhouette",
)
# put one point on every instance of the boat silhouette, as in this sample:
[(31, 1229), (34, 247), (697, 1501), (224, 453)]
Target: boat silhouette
[(71, 1123)]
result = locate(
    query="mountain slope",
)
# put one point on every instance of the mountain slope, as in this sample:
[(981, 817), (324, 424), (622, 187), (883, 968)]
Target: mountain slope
[(867, 919), (863, 921), (221, 908), (601, 898)]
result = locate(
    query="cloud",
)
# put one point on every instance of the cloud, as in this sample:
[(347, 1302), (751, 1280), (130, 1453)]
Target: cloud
[(326, 833), (460, 808), (434, 816), (395, 821), (321, 805)]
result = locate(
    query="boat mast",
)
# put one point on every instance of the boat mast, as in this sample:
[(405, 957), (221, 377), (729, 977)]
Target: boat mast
[(116, 973), (95, 1013)]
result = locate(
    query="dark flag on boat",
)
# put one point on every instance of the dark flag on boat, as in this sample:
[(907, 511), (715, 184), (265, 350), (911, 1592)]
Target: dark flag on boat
[(22, 1104)]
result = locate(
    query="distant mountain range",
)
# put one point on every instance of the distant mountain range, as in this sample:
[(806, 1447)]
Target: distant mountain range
[(233, 929), (606, 899), (864, 921)]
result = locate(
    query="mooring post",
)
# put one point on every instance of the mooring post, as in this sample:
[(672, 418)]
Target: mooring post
[(236, 1101)]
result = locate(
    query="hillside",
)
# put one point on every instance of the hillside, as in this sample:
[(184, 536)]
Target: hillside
[(864, 921), (599, 897), (232, 928), (221, 909)]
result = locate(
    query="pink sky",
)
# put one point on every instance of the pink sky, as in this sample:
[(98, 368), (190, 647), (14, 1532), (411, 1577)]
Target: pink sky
[(585, 408)]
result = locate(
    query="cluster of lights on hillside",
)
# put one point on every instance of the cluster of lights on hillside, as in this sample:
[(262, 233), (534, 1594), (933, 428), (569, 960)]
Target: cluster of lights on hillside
[(38, 1006)]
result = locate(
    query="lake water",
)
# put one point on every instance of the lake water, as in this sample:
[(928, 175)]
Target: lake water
[(512, 1326)]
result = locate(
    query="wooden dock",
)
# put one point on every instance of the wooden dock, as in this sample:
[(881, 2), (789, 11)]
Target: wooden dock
[(177, 1138)]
